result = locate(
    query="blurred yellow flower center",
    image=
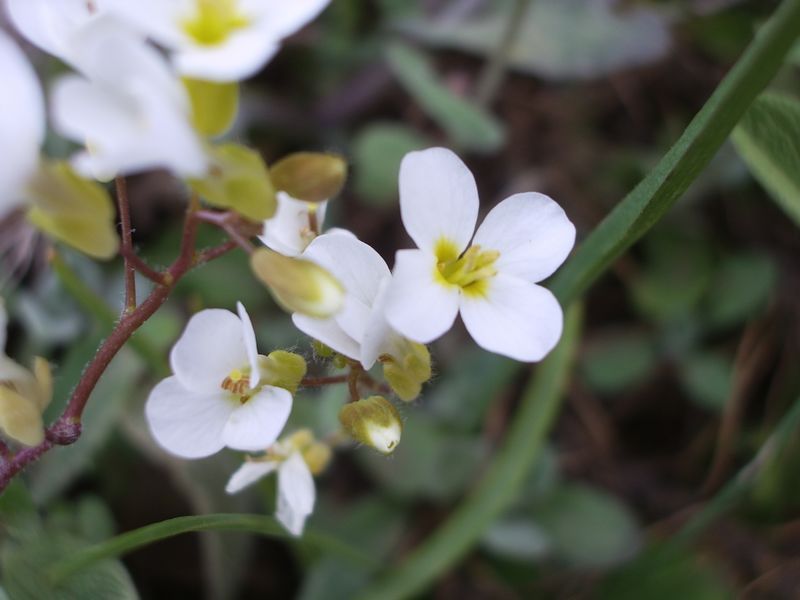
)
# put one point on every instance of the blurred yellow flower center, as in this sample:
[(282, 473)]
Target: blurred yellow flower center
[(470, 271), (238, 382), (214, 21)]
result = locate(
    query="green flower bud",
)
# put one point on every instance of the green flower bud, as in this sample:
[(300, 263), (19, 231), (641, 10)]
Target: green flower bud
[(238, 179), (310, 176), (282, 369), (373, 421), (321, 349), (298, 285), (406, 373), (73, 210), (214, 105)]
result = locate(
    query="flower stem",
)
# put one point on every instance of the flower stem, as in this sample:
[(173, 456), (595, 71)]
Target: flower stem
[(127, 243)]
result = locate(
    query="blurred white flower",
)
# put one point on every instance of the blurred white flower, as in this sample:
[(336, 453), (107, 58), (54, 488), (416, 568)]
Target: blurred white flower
[(491, 281), (296, 492), (214, 399), (129, 109), (294, 225), (22, 125), (360, 330), (219, 40)]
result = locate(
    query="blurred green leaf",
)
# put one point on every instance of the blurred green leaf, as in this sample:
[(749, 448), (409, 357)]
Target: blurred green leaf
[(665, 576), (560, 39), (517, 538), (466, 125), (18, 515), (332, 578), (740, 288), (768, 139), (588, 527), (708, 377), (430, 462), (377, 152), (617, 360)]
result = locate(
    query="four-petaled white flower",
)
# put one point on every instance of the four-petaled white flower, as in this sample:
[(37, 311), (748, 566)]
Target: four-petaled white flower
[(22, 125), (491, 281), (360, 330), (129, 110), (215, 397), (296, 491), (219, 40), (294, 225)]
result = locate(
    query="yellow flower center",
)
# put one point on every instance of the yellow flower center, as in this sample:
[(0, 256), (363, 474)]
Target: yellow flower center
[(470, 271), (238, 382), (214, 21)]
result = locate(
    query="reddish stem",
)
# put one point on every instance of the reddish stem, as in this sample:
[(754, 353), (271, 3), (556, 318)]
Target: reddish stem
[(321, 381), (127, 244)]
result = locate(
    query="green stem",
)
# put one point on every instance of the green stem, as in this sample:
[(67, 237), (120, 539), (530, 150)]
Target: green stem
[(648, 202), (628, 222), (498, 489), (492, 75), (133, 540)]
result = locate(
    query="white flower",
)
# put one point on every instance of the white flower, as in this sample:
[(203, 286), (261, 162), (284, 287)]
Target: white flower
[(296, 492), (214, 398), (129, 110), (490, 282), (22, 125), (219, 40), (294, 225), (359, 331)]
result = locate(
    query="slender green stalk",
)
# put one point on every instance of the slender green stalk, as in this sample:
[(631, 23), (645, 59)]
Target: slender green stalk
[(498, 489), (628, 222), (132, 540), (495, 70), (648, 202)]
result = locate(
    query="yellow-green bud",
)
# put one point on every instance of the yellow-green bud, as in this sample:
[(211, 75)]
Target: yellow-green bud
[(300, 440), (73, 210), (373, 421), (339, 361), (317, 457), (214, 105), (310, 176), (238, 179), (298, 285), (321, 349), (23, 398), (406, 374), (282, 369)]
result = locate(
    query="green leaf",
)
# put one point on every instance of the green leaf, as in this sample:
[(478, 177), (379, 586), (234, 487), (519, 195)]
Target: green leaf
[(740, 289), (517, 538), (18, 515), (587, 527), (238, 179), (768, 139), (467, 125), (559, 39), (617, 360), (708, 377), (331, 578), (377, 152)]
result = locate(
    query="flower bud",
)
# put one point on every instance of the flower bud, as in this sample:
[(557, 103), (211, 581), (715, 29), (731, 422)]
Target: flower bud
[(298, 285), (282, 369), (406, 373), (73, 210), (310, 176), (373, 421), (214, 105), (317, 457), (299, 440), (238, 179), (321, 349)]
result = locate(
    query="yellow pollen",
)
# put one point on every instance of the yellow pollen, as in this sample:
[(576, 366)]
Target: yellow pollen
[(470, 271), (213, 21), (237, 382)]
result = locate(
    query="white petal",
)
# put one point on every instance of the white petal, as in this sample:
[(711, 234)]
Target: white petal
[(418, 306), (280, 19), (329, 332), (249, 338), (3, 326), (249, 473), (438, 198), (21, 124), (210, 347), (283, 231), (515, 318), (296, 494), (379, 337), (159, 19), (48, 24), (185, 422), (243, 54), (532, 234), (257, 423)]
